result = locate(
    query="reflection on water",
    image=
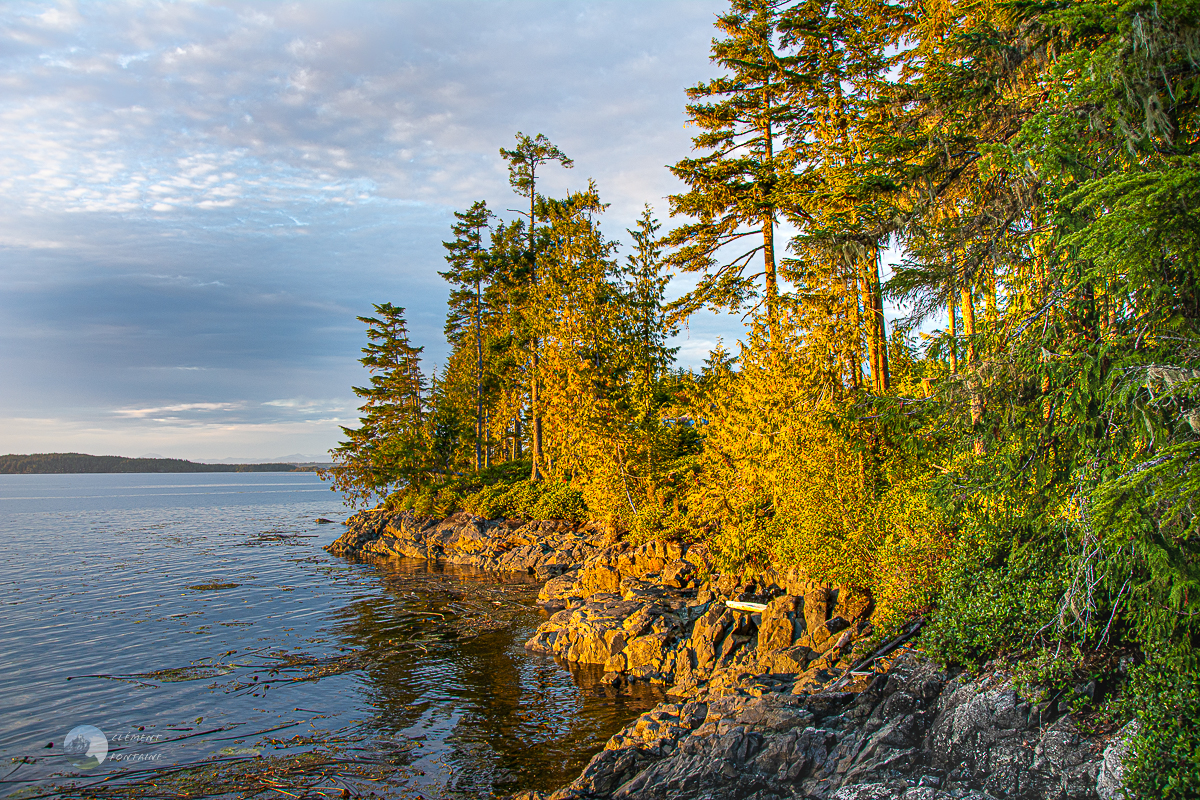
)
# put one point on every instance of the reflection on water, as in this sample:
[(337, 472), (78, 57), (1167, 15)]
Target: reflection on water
[(201, 625), (500, 717)]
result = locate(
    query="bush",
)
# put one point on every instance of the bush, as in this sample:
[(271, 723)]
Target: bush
[(499, 491), (558, 501), (489, 502), (995, 603), (547, 499), (1164, 760)]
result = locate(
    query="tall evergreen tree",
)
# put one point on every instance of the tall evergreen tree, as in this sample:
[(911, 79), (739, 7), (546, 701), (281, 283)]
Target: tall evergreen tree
[(388, 448), (469, 273), (645, 290), (735, 189), (523, 163)]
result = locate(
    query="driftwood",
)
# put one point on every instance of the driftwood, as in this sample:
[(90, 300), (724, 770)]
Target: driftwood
[(858, 668)]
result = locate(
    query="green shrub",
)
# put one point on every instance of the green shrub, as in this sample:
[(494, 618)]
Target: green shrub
[(1164, 760), (647, 524), (446, 502), (423, 505), (995, 603), (488, 502), (527, 500), (503, 490), (558, 501), (521, 498)]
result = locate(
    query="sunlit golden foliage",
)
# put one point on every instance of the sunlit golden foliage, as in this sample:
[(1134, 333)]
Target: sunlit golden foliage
[(797, 471)]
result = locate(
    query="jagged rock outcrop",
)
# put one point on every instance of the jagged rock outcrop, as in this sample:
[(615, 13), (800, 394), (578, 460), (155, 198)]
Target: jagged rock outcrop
[(639, 612), (546, 548), (915, 733)]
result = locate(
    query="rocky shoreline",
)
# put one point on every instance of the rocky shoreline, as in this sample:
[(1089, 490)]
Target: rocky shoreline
[(773, 692)]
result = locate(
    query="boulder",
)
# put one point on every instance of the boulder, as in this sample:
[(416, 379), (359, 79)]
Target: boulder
[(816, 608), (679, 573), (777, 628), (1110, 782)]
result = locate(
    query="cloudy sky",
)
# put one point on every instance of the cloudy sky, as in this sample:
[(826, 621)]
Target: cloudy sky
[(197, 198)]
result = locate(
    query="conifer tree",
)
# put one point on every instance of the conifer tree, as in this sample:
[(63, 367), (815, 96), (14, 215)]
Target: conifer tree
[(840, 62), (523, 163), (645, 290), (469, 273), (389, 446), (735, 190), (507, 298)]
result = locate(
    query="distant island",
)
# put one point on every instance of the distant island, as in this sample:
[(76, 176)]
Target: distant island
[(77, 463)]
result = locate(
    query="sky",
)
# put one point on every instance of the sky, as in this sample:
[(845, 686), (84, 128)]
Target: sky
[(198, 198)]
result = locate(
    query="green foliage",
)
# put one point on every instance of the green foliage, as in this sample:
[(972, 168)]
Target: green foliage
[(526, 499), (1164, 760), (997, 599), (389, 446), (497, 492), (1025, 477)]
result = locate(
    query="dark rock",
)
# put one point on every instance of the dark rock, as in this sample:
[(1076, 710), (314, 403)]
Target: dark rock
[(1111, 777)]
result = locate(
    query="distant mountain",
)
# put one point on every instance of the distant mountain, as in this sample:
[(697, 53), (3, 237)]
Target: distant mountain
[(80, 463)]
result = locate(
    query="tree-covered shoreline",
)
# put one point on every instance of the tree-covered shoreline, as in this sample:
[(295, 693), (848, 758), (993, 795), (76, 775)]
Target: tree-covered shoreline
[(83, 464), (1024, 476)]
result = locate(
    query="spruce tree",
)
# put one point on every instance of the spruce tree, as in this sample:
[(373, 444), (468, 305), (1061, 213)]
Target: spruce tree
[(469, 273), (523, 163), (735, 189), (389, 446)]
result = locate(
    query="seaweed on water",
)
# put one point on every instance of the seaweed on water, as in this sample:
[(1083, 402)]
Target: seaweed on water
[(325, 773)]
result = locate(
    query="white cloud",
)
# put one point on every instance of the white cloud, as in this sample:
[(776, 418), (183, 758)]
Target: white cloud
[(308, 406), (178, 408)]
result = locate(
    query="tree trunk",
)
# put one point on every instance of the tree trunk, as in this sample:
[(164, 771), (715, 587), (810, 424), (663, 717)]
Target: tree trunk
[(953, 329), (968, 308), (487, 441), (876, 325), (479, 424), (885, 372), (771, 280), (858, 298), (768, 231), (535, 418), (535, 410)]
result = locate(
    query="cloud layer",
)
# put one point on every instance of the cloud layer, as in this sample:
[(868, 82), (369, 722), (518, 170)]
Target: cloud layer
[(197, 198)]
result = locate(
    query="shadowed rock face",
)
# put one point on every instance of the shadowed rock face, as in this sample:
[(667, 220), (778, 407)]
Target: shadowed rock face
[(758, 713), (915, 733)]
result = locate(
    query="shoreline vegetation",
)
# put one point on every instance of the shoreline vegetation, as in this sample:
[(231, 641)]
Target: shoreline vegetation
[(82, 464), (1012, 459)]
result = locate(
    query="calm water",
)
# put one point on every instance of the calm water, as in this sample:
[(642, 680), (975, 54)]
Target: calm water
[(196, 618)]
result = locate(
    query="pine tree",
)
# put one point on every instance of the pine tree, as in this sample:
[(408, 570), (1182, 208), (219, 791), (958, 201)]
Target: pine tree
[(839, 66), (389, 446), (735, 190), (645, 287), (523, 163), (470, 273)]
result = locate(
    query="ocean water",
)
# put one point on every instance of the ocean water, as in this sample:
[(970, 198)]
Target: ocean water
[(195, 620)]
